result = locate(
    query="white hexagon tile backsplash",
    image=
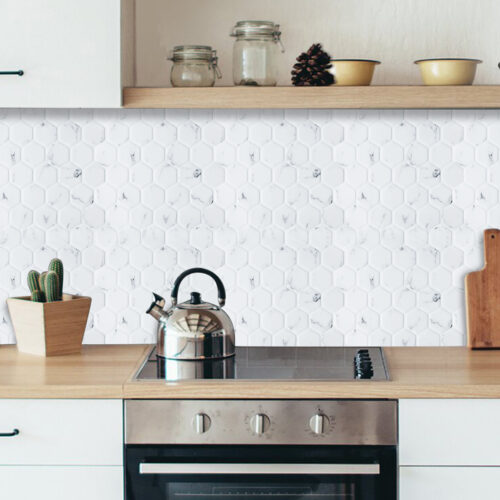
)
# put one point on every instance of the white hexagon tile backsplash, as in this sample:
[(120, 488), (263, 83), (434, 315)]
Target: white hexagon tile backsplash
[(327, 227)]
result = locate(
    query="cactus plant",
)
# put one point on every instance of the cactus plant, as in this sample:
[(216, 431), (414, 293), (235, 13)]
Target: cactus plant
[(41, 281), (33, 283), (47, 286), (52, 286), (37, 296), (56, 265)]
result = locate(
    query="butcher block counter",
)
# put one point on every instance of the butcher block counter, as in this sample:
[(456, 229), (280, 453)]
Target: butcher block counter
[(99, 371), (107, 371)]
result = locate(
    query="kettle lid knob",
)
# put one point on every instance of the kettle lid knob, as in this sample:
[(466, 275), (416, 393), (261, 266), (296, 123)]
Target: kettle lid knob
[(195, 298)]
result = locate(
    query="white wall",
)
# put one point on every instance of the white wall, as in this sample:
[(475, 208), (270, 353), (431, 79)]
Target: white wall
[(394, 31), (327, 227)]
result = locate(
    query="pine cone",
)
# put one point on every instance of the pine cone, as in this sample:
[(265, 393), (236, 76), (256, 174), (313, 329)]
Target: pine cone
[(311, 68)]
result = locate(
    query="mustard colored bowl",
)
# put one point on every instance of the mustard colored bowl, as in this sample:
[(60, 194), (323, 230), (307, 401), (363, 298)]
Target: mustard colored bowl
[(349, 72), (448, 71)]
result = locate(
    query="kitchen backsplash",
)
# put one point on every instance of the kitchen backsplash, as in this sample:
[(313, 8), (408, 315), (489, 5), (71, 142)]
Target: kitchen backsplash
[(327, 227)]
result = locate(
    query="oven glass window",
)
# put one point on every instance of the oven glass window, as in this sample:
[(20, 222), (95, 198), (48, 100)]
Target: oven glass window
[(250, 490), (255, 487)]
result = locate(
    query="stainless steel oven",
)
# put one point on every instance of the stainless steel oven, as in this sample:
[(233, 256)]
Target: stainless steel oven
[(329, 450)]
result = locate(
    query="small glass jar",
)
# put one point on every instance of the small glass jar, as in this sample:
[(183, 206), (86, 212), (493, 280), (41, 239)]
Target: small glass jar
[(255, 53), (194, 66)]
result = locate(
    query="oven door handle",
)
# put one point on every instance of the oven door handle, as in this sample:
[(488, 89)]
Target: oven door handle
[(246, 469)]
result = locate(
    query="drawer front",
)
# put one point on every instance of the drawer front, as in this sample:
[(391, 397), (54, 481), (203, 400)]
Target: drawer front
[(448, 483), (61, 483), (61, 432), (449, 432)]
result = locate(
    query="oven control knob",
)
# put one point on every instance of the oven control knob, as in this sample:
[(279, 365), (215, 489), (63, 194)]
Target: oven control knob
[(260, 423), (201, 423), (319, 423)]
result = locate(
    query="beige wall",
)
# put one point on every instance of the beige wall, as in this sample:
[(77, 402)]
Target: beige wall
[(394, 31)]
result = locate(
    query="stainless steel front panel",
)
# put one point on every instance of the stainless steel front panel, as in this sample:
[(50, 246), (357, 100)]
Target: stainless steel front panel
[(281, 469), (344, 422)]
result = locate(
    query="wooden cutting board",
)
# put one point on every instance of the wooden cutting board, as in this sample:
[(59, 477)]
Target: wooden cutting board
[(482, 296)]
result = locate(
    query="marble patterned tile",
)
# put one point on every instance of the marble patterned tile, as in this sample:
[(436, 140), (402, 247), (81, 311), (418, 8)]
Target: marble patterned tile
[(328, 228)]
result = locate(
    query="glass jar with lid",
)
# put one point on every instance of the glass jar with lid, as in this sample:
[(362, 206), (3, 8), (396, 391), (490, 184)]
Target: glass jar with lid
[(255, 53), (194, 66)]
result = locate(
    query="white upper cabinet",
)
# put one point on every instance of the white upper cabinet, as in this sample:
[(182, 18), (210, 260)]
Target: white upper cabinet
[(69, 51)]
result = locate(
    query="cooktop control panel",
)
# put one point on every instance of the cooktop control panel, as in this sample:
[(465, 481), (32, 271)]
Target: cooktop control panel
[(347, 422)]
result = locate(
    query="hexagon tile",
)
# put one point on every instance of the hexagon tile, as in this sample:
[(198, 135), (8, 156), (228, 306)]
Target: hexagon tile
[(327, 227)]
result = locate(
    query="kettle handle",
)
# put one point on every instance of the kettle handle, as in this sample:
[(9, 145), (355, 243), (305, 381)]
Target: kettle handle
[(220, 287)]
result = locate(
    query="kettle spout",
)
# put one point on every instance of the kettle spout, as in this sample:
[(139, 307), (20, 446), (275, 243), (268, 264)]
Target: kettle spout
[(156, 308)]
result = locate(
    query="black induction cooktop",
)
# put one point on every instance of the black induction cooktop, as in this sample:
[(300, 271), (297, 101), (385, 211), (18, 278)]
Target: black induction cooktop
[(274, 363)]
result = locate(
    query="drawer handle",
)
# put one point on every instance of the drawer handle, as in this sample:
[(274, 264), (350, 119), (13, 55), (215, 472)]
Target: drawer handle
[(18, 73), (15, 432)]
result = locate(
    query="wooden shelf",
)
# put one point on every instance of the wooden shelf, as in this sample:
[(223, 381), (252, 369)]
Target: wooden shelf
[(373, 97)]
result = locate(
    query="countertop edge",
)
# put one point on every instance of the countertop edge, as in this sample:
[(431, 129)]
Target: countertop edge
[(61, 392), (307, 390)]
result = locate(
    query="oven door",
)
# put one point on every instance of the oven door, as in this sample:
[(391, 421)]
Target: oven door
[(263, 472)]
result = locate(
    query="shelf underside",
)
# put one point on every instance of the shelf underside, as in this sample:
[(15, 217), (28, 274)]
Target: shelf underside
[(373, 97)]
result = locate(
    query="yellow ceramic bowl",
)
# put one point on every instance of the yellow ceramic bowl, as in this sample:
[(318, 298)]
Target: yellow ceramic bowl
[(353, 71), (448, 71)]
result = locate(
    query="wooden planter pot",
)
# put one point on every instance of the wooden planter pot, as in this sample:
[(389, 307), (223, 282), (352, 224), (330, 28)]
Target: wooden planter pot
[(51, 328)]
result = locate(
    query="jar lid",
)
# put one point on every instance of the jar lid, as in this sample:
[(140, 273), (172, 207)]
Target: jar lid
[(243, 28), (192, 52)]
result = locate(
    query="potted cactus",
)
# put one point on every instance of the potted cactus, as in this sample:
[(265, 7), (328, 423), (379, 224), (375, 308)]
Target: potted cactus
[(49, 322)]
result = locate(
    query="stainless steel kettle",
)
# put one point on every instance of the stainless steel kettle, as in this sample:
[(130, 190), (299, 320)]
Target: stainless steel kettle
[(193, 329)]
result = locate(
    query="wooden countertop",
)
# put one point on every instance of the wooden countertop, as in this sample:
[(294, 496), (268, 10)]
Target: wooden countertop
[(107, 372), (100, 371)]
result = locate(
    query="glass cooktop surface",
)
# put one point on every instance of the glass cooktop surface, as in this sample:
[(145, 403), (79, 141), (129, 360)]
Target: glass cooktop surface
[(275, 363)]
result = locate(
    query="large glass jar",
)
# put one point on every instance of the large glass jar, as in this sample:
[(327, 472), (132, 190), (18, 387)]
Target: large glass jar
[(255, 53), (194, 66)]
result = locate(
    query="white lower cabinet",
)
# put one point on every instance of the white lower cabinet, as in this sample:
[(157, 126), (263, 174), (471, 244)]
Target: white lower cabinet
[(62, 432), (449, 483), (449, 449), (64, 449), (449, 432), (61, 483)]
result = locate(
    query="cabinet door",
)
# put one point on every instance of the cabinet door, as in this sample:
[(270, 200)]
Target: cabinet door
[(61, 432), (61, 483), (448, 483), (69, 52), (449, 432)]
